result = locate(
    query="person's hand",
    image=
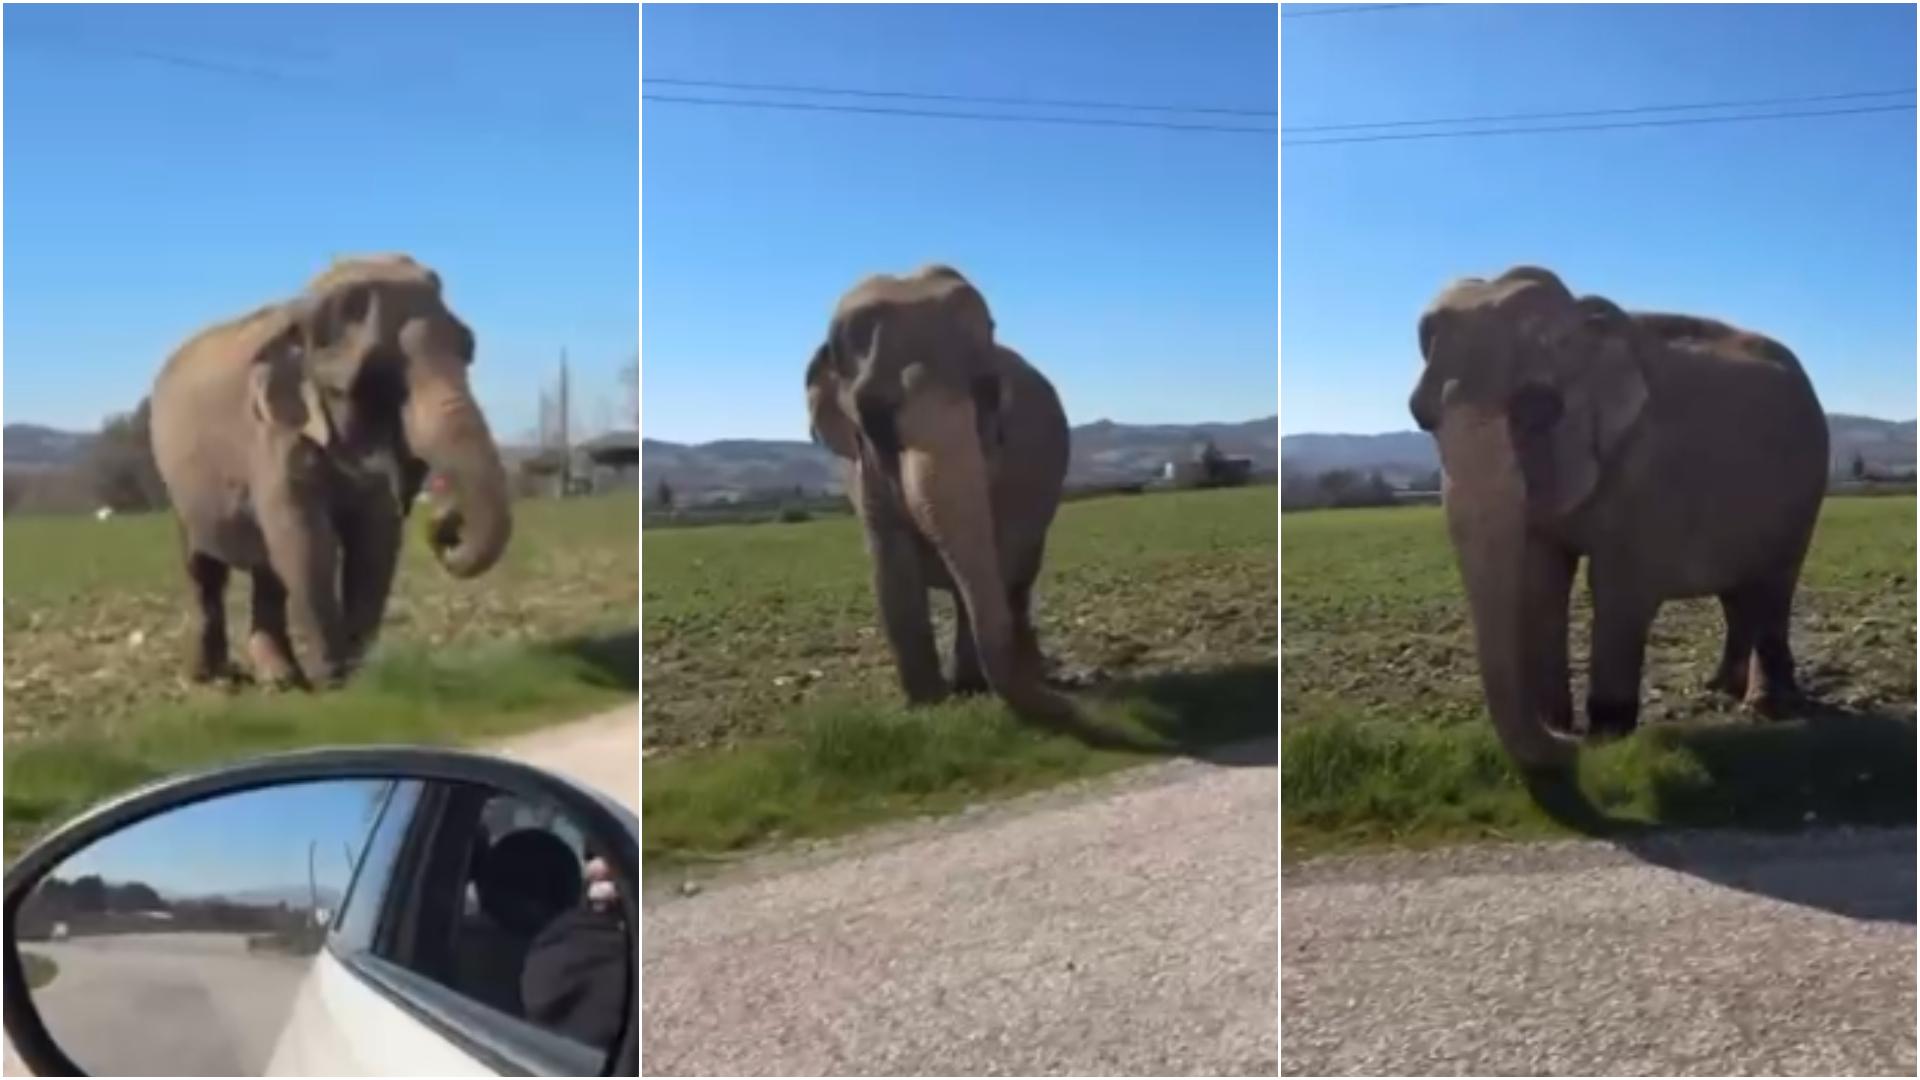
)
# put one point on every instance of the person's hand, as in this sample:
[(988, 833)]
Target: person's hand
[(601, 892)]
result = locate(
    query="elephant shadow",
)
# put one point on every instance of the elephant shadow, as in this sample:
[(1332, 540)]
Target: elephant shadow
[(1224, 716), (610, 660), (1790, 810)]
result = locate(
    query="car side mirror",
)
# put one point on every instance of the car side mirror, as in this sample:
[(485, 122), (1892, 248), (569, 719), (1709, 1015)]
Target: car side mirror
[(358, 911)]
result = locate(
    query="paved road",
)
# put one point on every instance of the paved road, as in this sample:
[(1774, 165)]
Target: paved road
[(1698, 956), (1129, 930), (167, 1004)]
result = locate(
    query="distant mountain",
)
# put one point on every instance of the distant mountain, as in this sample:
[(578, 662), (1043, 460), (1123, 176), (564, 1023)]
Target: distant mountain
[(1406, 456), (34, 448), (1103, 452)]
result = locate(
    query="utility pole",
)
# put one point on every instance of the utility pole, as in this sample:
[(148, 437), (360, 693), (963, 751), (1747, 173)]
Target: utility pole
[(566, 448)]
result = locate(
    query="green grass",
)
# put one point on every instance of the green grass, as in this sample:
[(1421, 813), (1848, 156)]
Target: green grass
[(772, 705), (40, 970), (1385, 738), (98, 633)]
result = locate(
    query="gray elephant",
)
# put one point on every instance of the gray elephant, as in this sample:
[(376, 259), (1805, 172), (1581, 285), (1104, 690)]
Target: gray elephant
[(293, 441), (955, 451), (1680, 456)]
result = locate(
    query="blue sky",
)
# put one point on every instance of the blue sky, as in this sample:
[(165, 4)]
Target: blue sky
[(1134, 266), (167, 167), (1802, 229), (239, 842)]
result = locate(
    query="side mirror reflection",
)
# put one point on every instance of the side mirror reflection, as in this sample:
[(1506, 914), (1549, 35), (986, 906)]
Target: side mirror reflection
[(294, 929)]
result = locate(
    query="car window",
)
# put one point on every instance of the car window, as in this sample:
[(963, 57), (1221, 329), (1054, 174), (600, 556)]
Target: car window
[(358, 918), (497, 907)]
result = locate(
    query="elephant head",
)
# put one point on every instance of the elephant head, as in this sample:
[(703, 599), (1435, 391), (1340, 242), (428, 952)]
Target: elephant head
[(1530, 394), (382, 368), (911, 387)]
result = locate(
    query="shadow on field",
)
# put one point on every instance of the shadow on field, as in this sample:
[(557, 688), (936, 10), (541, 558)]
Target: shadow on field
[(1829, 766), (611, 660), (1228, 716)]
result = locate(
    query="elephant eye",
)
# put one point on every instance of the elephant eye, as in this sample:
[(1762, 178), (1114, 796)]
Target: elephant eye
[(1535, 408), (353, 306)]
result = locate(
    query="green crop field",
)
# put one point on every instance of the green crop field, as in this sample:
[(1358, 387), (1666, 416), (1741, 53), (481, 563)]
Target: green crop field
[(771, 705), (1385, 737), (98, 630)]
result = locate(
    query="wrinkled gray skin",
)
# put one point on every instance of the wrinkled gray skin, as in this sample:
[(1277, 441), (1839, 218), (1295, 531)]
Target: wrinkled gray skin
[(292, 442), (1680, 456), (955, 450)]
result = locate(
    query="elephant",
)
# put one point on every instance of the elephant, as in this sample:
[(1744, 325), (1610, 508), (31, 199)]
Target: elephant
[(293, 441), (1680, 456), (955, 453)]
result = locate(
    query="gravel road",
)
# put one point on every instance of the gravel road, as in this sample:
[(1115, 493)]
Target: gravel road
[(1694, 955), (1125, 929)]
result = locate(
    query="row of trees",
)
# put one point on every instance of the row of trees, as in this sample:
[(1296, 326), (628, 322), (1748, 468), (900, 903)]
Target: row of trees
[(1301, 490), (117, 472)]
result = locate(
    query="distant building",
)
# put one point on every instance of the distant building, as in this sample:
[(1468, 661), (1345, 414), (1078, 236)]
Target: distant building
[(609, 462), (1208, 467)]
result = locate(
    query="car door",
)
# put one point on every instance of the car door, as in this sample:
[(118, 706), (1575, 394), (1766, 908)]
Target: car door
[(416, 978)]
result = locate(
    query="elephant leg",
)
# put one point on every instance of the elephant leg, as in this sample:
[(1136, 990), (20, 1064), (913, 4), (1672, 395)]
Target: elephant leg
[(1549, 582), (269, 646), (967, 676), (305, 555), (899, 584), (1771, 686), (209, 576), (370, 548), (1736, 654), (1621, 620)]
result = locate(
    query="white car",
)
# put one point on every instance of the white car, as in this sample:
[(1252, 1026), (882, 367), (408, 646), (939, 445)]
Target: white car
[(478, 921)]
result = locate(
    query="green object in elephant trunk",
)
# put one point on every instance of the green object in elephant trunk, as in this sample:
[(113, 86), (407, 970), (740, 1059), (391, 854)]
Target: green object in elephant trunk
[(1679, 456)]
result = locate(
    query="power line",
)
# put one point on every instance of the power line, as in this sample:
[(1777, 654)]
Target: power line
[(1080, 121), (1348, 9), (1680, 122), (1800, 100), (972, 98)]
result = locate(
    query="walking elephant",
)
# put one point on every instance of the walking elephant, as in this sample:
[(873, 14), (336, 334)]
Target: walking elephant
[(955, 450), (293, 441), (1680, 456)]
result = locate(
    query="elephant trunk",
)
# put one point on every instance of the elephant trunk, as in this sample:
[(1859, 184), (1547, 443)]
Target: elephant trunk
[(943, 478), (1486, 508), (445, 427)]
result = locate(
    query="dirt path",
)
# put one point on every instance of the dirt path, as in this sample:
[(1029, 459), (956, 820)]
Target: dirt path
[(603, 751)]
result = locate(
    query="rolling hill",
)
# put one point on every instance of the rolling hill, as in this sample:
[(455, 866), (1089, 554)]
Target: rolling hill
[(1104, 452), (1405, 456)]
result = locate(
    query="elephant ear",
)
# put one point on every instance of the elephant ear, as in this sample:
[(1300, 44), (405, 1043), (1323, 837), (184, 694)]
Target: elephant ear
[(1567, 431), (831, 425), (282, 396), (992, 388)]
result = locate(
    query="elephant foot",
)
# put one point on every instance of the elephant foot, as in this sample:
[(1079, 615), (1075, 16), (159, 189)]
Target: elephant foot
[(970, 685), (1730, 683), (1773, 704), (1609, 720), (206, 670), (926, 695), (272, 666)]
